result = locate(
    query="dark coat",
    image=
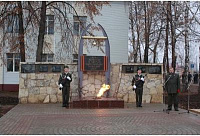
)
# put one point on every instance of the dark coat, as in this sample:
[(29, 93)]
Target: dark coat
[(173, 84), (136, 80), (64, 81)]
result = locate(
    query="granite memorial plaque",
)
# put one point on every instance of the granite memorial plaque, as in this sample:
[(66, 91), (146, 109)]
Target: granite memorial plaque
[(28, 68), (128, 69), (43, 68), (155, 70), (56, 68), (94, 63)]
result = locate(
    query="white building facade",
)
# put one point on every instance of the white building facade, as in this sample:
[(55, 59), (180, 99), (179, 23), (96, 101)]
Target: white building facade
[(113, 18)]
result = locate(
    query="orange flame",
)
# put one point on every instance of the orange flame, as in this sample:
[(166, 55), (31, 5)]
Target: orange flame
[(103, 89)]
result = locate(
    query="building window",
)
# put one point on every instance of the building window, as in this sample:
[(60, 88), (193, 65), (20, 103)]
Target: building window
[(12, 24), (13, 61), (79, 24), (47, 57), (49, 24)]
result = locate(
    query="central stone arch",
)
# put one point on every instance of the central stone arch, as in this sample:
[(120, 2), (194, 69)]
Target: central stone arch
[(80, 53)]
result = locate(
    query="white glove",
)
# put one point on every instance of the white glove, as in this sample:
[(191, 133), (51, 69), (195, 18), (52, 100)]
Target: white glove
[(68, 78), (61, 86), (134, 87), (142, 79)]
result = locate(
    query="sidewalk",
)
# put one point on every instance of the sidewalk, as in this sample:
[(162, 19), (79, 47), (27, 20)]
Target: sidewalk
[(54, 119)]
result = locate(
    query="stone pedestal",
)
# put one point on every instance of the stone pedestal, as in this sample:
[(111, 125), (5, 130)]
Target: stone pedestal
[(96, 103)]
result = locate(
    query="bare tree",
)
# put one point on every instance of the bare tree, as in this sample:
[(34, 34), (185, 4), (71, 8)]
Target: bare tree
[(41, 32), (9, 14), (166, 58), (35, 17), (146, 34), (135, 27), (186, 70), (21, 31), (132, 39), (92, 8), (146, 26)]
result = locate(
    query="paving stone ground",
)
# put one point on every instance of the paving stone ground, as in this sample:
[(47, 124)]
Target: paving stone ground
[(54, 119)]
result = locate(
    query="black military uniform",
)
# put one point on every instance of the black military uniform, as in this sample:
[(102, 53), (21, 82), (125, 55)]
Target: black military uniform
[(172, 87), (65, 79), (139, 89)]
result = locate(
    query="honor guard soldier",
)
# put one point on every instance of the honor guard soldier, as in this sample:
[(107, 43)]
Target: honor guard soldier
[(137, 83), (172, 87), (64, 85)]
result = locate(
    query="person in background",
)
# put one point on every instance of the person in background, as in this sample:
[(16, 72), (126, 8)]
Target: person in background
[(64, 85), (183, 77), (189, 77), (195, 78), (172, 87), (137, 83)]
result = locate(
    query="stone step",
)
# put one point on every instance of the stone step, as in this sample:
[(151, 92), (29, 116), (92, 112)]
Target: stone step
[(96, 103)]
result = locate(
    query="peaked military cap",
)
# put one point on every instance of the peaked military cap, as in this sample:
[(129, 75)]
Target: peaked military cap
[(66, 67), (139, 68)]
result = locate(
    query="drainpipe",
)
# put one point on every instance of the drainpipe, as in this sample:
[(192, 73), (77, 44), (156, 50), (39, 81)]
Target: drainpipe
[(2, 87), (3, 72)]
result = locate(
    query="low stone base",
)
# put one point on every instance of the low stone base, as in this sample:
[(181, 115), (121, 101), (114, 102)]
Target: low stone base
[(96, 103)]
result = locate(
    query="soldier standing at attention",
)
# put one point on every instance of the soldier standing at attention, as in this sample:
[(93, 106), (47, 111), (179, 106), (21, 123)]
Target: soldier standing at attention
[(137, 83), (64, 84), (173, 88)]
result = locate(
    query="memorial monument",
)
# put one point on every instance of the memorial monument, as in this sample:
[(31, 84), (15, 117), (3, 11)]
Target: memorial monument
[(95, 64)]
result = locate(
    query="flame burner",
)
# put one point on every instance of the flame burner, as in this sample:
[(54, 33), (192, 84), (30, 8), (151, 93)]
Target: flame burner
[(98, 103), (97, 98)]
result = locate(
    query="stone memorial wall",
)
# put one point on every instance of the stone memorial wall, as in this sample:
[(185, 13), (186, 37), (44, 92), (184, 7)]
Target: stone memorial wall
[(122, 88), (39, 84)]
